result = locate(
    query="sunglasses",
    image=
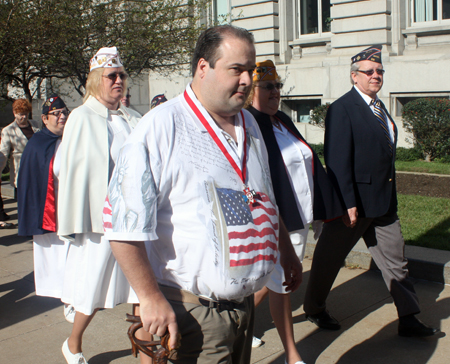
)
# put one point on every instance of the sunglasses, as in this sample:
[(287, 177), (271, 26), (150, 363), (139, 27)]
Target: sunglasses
[(271, 86), (113, 76), (58, 113), (371, 72)]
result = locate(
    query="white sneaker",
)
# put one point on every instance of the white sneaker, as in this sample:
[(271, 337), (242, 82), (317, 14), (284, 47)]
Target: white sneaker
[(256, 343), (69, 313), (77, 358)]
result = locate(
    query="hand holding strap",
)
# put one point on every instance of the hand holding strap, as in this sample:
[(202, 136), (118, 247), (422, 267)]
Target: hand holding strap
[(159, 355)]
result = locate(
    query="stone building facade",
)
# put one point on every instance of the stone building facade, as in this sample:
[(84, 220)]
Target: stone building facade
[(311, 42)]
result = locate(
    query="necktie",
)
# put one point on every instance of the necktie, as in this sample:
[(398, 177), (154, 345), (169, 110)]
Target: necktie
[(383, 122)]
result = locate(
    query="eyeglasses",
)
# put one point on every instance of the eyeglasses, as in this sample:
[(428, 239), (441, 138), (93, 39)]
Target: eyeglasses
[(113, 76), (271, 86), (371, 72), (58, 113)]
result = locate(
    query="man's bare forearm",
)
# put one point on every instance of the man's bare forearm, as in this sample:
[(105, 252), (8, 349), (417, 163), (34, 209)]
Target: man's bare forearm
[(156, 313), (132, 258)]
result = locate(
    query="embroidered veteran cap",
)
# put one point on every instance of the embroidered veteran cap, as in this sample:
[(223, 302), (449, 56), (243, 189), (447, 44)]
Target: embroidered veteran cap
[(372, 53), (105, 57), (52, 103), (265, 71), (157, 100)]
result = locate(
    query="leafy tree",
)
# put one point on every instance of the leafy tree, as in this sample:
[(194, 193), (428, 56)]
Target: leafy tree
[(17, 47), (319, 114), (428, 119), (47, 39)]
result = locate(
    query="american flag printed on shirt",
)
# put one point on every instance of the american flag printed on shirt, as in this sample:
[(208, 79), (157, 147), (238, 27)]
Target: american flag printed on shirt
[(252, 229), (107, 215)]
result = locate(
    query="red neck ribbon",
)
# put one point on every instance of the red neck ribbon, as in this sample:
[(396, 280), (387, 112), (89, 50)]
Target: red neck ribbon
[(242, 173)]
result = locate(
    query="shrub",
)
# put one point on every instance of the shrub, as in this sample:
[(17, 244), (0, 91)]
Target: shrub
[(444, 159), (318, 115), (429, 122), (318, 148), (408, 154)]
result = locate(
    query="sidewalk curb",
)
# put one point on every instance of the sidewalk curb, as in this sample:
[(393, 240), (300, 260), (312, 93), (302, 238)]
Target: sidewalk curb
[(423, 263)]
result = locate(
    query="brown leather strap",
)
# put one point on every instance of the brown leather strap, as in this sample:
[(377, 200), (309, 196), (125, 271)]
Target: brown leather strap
[(157, 350)]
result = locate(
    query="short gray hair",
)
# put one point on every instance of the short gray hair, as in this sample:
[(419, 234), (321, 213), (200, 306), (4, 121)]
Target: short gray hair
[(353, 69)]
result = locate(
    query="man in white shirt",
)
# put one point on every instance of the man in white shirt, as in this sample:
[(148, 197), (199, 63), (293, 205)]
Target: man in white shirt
[(193, 179), (360, 140)]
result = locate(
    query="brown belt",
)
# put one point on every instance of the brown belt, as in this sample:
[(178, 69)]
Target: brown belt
[(181, 295)]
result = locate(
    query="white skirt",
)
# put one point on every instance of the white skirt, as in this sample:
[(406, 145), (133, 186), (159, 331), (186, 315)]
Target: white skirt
[(50, 255), (93, 278), (298, 239)]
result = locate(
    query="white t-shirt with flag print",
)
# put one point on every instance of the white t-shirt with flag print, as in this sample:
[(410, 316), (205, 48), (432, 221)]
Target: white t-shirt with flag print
[(173, 186)]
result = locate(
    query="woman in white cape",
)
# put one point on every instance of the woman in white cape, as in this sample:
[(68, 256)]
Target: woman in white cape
[(93, 136)]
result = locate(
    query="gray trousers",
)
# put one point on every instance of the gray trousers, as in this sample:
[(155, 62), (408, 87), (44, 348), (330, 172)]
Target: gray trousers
[(384, 240)]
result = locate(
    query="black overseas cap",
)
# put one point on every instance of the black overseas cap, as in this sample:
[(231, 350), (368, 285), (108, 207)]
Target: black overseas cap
[(158, 100), (372, 53), (52, 103)]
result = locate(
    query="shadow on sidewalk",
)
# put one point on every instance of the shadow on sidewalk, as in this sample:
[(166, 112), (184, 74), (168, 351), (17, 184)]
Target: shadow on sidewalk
[(13, 238), (17, 305), (351, 302), (109, 356), (387, 347), (263, 318)]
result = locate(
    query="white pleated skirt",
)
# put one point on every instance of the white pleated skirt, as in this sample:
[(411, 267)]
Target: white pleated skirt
[(93, 278), (50, 255)]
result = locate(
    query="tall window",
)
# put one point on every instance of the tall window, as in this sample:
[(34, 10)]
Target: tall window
[(300, 110), (430, 10), (221, 11), (312, 16)]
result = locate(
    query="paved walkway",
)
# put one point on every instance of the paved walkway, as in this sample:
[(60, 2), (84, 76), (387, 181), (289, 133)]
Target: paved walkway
[(32, 329)]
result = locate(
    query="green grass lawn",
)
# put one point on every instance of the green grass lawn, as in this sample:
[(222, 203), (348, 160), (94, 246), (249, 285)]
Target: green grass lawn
[(425, 221), (418, 166), (423, 167)]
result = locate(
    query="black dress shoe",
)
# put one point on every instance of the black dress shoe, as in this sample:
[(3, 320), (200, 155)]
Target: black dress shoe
[(324, 320), (411, 326)]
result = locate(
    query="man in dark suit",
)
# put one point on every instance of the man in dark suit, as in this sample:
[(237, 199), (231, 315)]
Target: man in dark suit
[(360, 139)]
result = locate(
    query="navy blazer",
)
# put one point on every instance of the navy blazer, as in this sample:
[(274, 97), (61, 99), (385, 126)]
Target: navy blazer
[(358, 158), (326, 204)]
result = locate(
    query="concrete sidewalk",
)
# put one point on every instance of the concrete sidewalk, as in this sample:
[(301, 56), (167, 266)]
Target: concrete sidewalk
[(7, 190), (32, 329)]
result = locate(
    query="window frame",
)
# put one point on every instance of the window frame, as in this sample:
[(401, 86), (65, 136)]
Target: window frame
[(288, 102), (214, 16), (297, 21), (427, 23), (397, 99)]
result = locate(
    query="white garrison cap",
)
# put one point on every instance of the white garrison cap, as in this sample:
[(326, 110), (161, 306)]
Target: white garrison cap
[(104, 58)]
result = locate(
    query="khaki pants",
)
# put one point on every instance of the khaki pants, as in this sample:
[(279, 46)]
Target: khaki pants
[(211, 335)]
